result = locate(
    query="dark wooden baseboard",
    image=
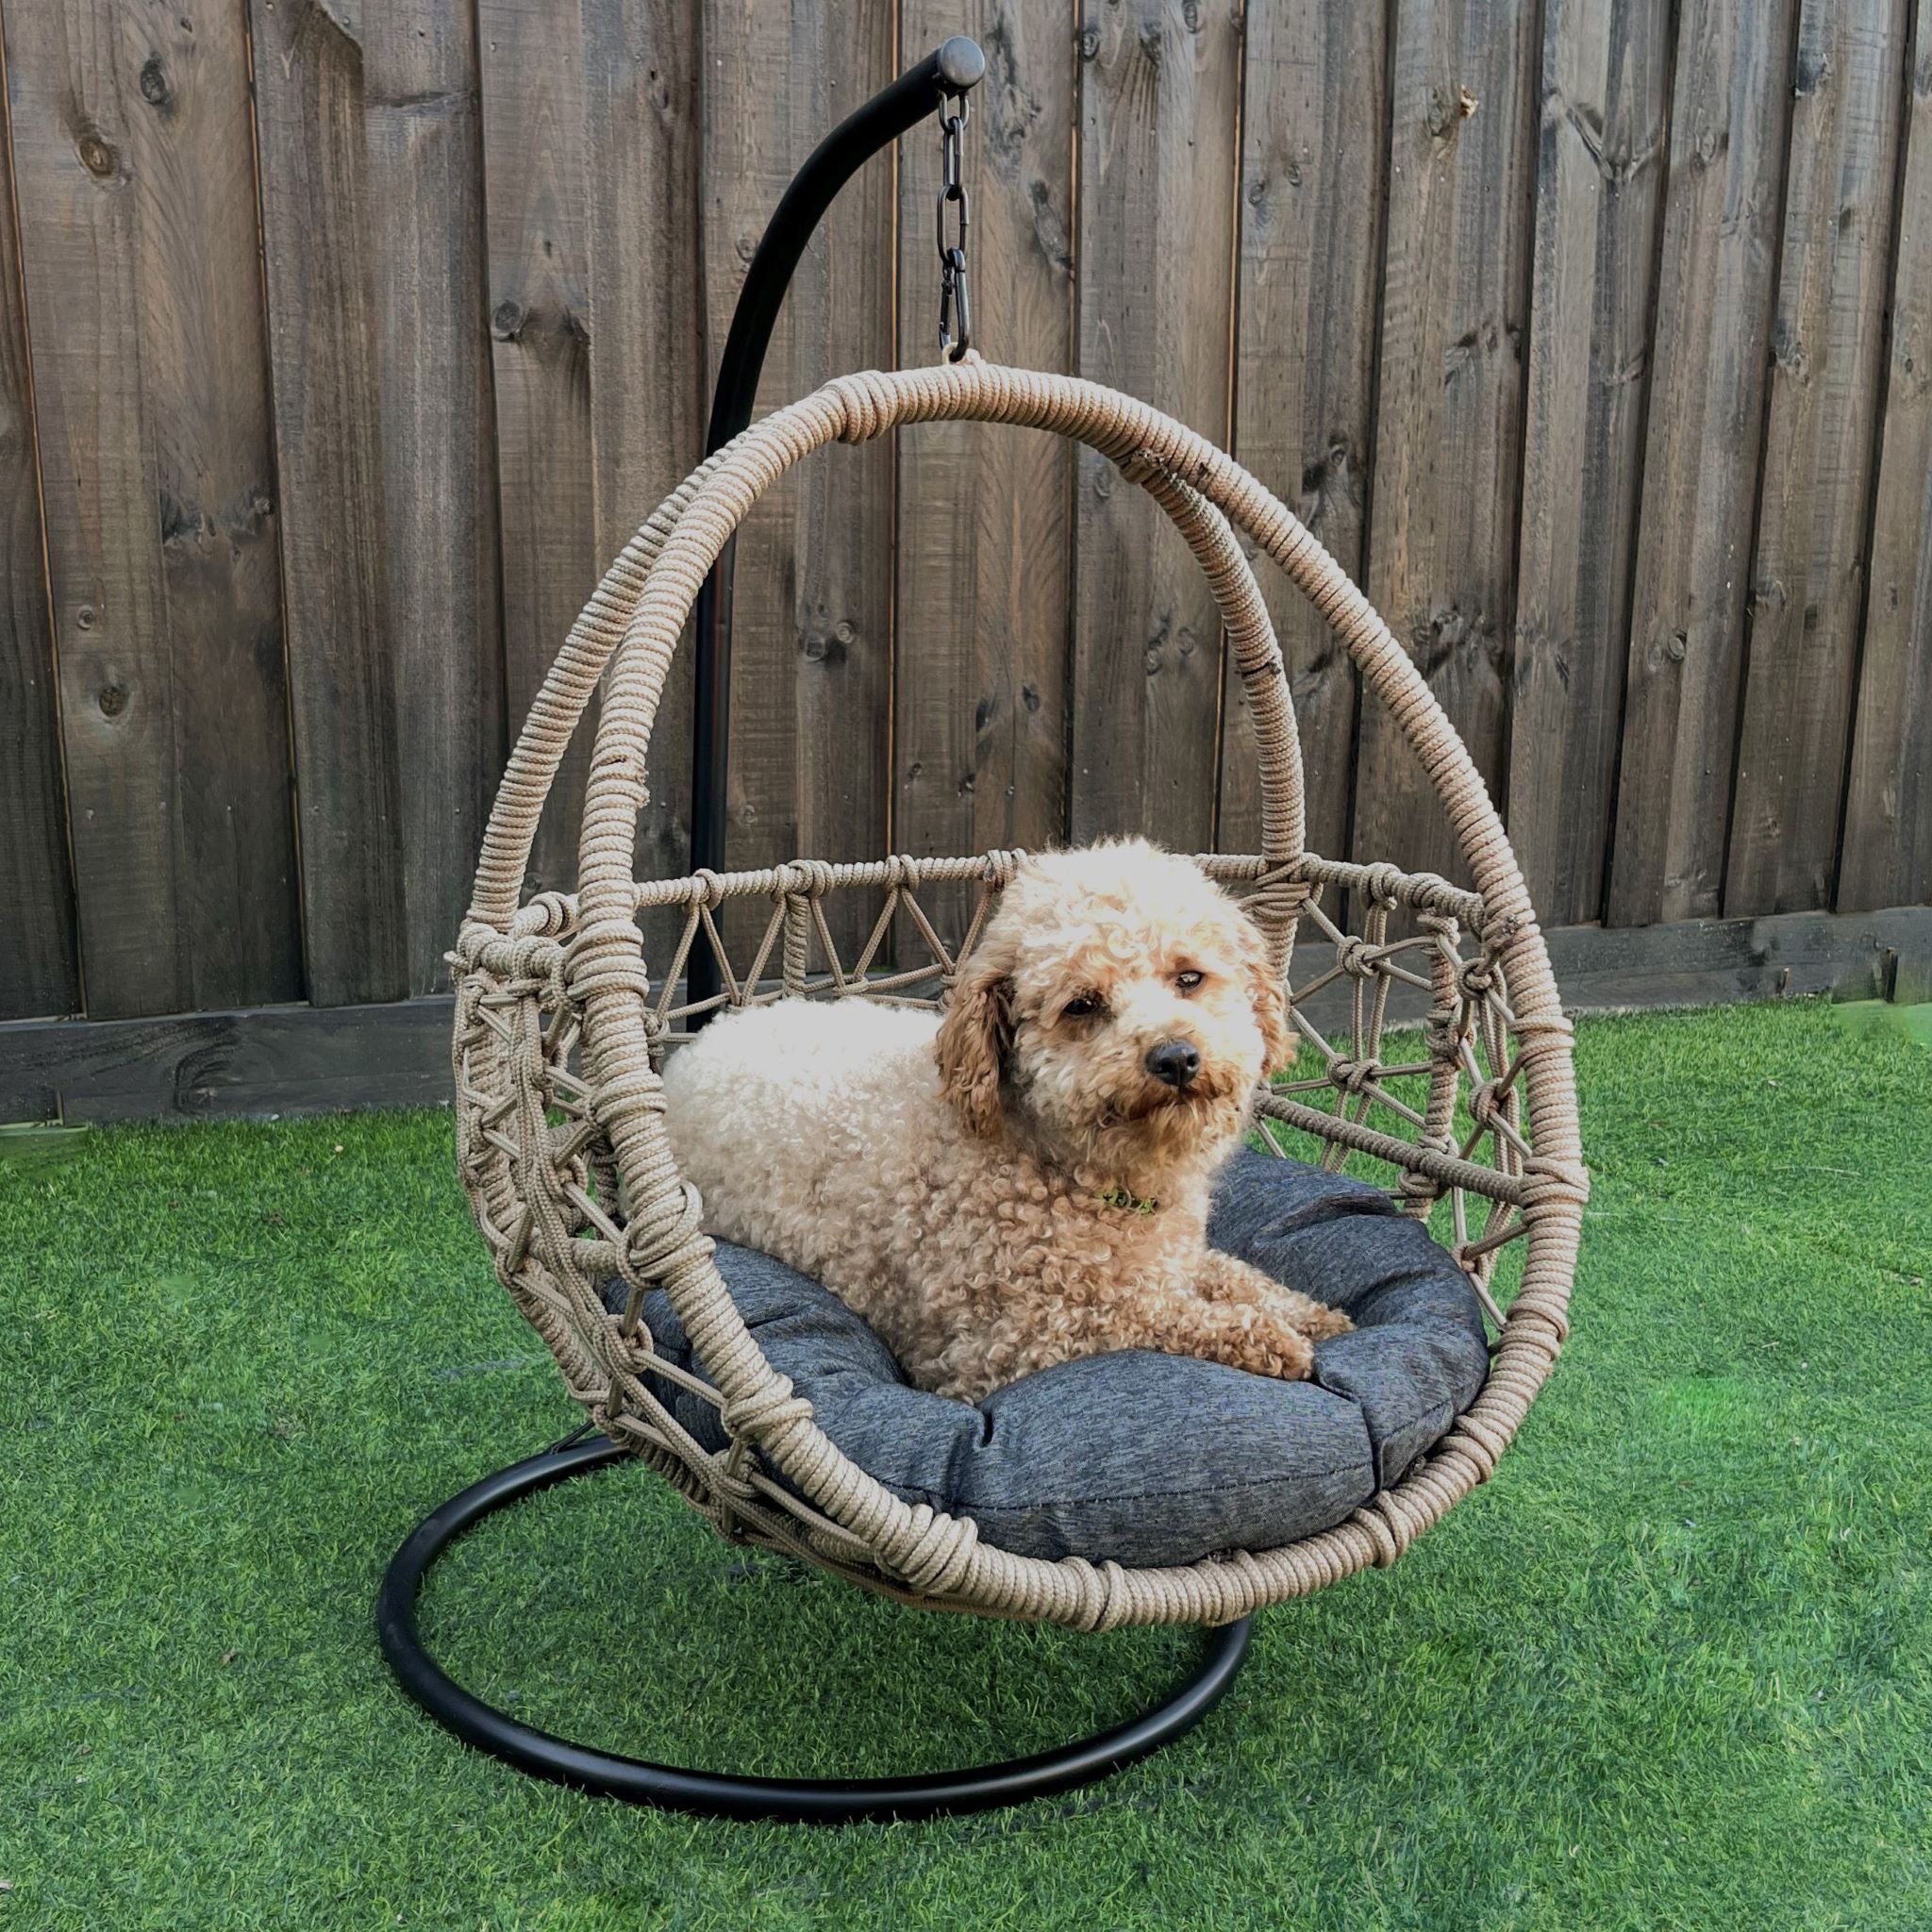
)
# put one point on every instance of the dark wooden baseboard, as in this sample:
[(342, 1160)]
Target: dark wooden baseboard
[(1712, 962), (248, 1065), (274, 1060)]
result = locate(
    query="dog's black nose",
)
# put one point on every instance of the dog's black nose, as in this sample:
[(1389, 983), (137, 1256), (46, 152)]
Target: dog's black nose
[(1173, 1061)]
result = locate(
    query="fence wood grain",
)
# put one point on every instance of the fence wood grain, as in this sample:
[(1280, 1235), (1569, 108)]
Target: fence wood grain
[(1455, 300), (650, 385), (39, 972), (1701, 460), (1158, 120), (137, 230), (1808, 590), (429, 282), (316, 237), (1592, 335), (1606, 99), (532, 72), (985, 548), (1314, 153), (373, 219), (1887, 833), (812, 635)]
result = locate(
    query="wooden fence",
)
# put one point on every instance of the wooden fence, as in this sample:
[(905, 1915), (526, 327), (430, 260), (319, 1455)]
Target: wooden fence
[(341, 340)]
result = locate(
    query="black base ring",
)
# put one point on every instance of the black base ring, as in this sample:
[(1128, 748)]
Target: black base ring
[(716, 1794)]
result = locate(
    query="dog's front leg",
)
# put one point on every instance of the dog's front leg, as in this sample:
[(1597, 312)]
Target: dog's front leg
[(1222, 1278), (1243, 1334)]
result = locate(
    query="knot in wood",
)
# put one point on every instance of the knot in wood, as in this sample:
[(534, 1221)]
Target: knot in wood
[(96, 156)]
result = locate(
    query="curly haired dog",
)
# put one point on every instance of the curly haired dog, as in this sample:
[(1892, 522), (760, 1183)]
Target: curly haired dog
[(1028, 1179)]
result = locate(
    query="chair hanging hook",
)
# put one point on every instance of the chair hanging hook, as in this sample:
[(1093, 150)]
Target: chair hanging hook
[(955, 304)]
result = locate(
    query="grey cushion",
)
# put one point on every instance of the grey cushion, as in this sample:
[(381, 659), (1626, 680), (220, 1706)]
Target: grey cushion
[(1142, 1457)]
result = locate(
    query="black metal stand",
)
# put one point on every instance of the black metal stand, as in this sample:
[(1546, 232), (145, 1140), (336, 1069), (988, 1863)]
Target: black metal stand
[(717, 1794), (945, 74), (951, 72)]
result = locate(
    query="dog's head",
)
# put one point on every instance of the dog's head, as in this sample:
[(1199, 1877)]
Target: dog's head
[(1119, 1008)]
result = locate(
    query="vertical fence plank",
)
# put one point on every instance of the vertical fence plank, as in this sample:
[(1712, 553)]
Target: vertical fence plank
[(985, 551), (372, 191), (1455, 301), (1605, 78), (1809, 577), (812, 672), (1704, 444), (131, 154), (1158, 118), (649, 383), (1887, 834), (749, 150), (316, 229), (1314, 155), (842, 640), (38, 971), (530, 56), (423, 124)]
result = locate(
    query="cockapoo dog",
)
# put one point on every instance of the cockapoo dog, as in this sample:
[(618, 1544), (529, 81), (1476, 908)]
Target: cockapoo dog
[(1026, 1179)]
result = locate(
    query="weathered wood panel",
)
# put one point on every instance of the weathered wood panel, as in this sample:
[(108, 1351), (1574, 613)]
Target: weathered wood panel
[(1454, 302), (1158, 151), (316, 239), (1314, 152), (132, 168), (373, 218), (1704, 443), (650, 385), (38, 970), (985, 546), (1715, 963), (1888, 830), (532, 72), (1606, 99), (1808, 590), (811, 670), (248, 1065), (429, 282), (1638, 408)]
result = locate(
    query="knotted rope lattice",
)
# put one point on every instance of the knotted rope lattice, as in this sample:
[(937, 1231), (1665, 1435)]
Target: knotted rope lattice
[(560, 1031)]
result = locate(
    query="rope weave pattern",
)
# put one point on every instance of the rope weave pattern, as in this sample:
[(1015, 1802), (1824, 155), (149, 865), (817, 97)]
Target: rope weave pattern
[(561, 1032)]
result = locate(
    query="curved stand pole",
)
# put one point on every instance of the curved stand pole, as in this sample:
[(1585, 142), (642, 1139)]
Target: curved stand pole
[(717, 1794), (948, 72)]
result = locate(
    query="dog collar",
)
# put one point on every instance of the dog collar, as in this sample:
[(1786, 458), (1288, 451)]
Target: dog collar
[(1119, 1197)]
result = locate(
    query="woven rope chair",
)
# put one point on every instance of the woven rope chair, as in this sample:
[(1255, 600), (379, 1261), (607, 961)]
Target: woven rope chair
[(561, 1028)]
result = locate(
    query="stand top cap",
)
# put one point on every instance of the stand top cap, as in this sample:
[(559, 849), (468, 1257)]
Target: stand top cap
[(961, 63)]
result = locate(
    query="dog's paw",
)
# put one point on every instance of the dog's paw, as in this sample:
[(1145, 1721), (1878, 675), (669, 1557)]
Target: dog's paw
[(1319, 1323), (1286, 1353), (1266, 1341)]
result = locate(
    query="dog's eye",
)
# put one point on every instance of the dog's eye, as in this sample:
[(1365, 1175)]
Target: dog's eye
[(1082, 1008), (1190, 980)]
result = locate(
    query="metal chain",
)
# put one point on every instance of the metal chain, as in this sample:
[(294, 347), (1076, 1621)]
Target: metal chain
[(955, 305)]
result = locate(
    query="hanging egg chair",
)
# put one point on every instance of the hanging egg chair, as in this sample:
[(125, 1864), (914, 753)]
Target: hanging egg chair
[(562, 1026)]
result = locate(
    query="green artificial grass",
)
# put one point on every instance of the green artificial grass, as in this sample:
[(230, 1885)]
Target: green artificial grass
[(1673, 1668)]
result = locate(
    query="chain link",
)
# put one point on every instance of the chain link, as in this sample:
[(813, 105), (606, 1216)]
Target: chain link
[(955, 304)]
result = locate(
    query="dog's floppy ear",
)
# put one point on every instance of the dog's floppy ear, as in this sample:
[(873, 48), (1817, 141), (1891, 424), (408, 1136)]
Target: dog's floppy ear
[(974, 1039), (1265, 993)]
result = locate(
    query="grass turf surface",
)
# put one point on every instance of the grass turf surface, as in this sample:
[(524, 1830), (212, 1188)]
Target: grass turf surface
[(1671, 1668)]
